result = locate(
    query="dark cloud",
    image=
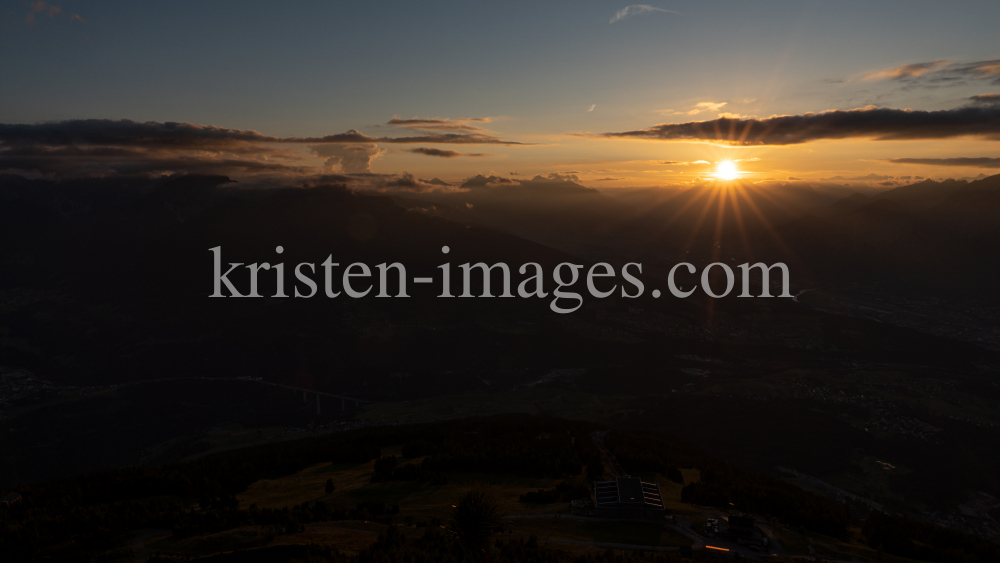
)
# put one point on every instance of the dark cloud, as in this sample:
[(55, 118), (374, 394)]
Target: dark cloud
[(354, 136), (871, 122), (445, 153), (969, 162), (104, 146), (436, 124), (436, 152)]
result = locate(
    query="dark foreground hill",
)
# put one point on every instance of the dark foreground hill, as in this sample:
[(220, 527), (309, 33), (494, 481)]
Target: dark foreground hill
[(81, 518), (270, 503)]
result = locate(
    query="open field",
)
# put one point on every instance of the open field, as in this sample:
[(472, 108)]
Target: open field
[(418, 500)]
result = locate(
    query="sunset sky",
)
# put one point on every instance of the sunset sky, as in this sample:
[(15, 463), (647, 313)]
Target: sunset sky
[(514, 89)]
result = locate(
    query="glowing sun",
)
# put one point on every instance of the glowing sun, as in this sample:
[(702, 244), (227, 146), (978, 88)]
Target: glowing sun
[(726, 170)]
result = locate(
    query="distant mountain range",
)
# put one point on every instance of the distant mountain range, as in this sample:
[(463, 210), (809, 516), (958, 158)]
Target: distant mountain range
[(928, 236)]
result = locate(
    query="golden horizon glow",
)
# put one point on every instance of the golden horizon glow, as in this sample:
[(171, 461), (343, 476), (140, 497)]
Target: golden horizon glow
[(726, 170)]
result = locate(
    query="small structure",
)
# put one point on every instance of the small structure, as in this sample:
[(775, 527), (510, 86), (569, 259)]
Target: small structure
[(10, 499), (629, 498), (711, 527)]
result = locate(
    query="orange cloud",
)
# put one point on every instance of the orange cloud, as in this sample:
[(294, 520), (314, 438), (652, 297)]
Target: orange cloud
[(905, 71)]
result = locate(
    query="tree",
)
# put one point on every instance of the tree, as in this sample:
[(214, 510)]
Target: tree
[(675, 475), (329, 486), (476, 518)]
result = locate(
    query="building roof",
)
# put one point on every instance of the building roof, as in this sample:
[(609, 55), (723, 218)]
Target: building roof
[(627, 492), (606, 493), (651, 495), (630, 490)]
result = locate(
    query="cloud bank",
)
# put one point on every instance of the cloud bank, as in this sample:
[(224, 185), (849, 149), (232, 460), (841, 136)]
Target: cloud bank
[(870, 122), (102, 147)]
